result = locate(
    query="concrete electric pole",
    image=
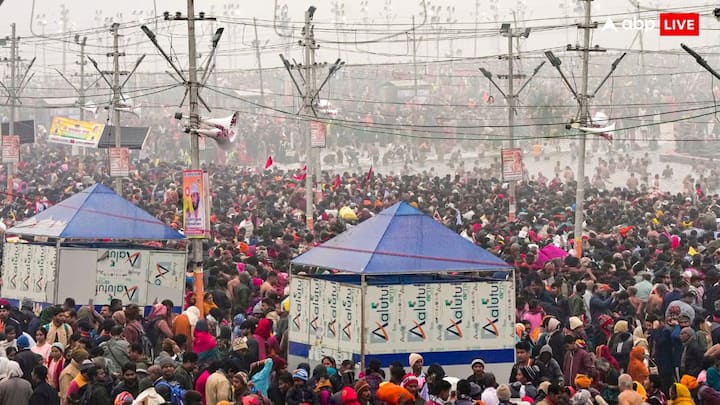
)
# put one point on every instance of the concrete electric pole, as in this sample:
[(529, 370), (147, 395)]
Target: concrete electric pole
[(310, 47), (310, 93), (192, 85), (18, 82), (116, 96), (116, 86), (256, 43), (583, 119), (13, 99), (510, 97)]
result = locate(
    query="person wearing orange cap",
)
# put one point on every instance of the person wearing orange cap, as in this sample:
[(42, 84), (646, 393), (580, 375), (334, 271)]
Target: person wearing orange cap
[(393, 394)]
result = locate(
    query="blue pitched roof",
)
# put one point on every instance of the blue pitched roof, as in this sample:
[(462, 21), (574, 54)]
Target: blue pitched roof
[(96, 213), (399, 240)]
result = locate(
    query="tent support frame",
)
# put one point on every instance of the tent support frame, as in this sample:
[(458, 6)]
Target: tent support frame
[(56, 276), (363, 291)]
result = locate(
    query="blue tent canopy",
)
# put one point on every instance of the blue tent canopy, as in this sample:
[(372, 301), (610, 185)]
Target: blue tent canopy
[(400, 240), (96, 213)]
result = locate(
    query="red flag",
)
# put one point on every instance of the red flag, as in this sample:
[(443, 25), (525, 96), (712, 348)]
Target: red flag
[(268, 162), (301, 176), (369, 175), (337, 183)]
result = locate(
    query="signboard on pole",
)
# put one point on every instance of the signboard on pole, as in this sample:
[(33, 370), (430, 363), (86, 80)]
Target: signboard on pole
[(10, 149), (512, 164), (68, 131), (318, 133), (194, 202), (119, 162)]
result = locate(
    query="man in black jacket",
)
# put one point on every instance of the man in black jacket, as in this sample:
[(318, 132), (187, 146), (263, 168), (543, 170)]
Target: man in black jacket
[(129, 381), (692, 356), (300, 393), (44, 393)]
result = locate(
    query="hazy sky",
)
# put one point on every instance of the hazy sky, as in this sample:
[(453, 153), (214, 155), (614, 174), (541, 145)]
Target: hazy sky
[(85, 15)]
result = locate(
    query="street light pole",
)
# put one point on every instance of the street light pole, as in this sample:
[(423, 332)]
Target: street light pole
[(197, 244), (310, 46), (510, 97), (116, 97), (584, 119), (13, 99)]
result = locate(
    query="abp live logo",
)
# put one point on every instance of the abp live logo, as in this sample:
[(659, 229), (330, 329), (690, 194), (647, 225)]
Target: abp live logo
[(679, 24)]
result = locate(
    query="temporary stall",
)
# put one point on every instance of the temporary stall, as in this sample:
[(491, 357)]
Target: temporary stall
[(83, 248), (403, 283)]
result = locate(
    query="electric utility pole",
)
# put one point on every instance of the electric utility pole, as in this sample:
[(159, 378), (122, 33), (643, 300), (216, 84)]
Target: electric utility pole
[(13, 99), (259, 62), (117, 105), (82, 89), (582, 119), (192, 92), (510, 97), (13, 91), (310, 94), (310, 47), (116, 97), (415, 73)]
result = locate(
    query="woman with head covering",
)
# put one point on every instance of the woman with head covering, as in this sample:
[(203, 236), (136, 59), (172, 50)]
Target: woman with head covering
[(204, 343), (636, 365), (14, 389), (261, 335), (680, 395), (640, 340), (55, 364), (158, 326)]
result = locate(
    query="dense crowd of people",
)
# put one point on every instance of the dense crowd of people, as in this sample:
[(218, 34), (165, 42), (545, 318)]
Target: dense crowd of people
[(634, 320)]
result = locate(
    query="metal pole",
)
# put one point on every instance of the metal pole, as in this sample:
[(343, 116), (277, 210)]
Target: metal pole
[(415, 78), (116, 97), (309, 42), (259, 62), (475, 37), (13, 99), (511, 120), (584, 119), (81, 99), (82, 80), (197, 244)]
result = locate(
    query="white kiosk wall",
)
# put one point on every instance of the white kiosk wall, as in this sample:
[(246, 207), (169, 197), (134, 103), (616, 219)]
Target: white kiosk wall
[(448, 323), (137, 276)]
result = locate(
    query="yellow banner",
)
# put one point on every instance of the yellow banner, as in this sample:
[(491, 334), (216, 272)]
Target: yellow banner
[(75, 132)]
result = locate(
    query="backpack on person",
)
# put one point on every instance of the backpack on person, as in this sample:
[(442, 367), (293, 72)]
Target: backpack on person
[(145, 343), (177, 393), (153, 332)]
